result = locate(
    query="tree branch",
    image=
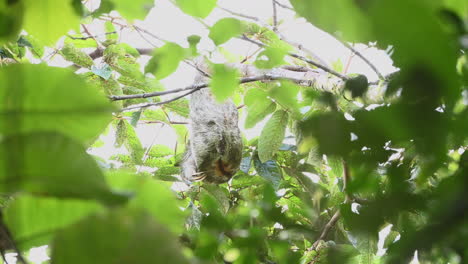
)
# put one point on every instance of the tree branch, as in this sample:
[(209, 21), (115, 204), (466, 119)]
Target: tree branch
[(159, 103), (193, 88), (326, 230), (371, 65), (331, 223), (275, 16), (239, 14), (283, 6), (88, 37)]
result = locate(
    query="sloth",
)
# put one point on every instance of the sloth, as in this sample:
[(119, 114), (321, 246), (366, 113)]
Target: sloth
[(214, 151)]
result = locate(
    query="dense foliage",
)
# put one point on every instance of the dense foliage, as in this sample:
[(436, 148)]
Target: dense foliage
[(334, 164)]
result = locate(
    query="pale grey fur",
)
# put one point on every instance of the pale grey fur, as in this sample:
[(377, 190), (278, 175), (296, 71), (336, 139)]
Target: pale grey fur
[(214, 136)]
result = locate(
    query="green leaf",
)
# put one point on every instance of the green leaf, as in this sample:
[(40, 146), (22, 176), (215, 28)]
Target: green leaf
[(152, 196), (104, 71), (258, 106), (76, 56), (331, 131), (50, 164), (105, 7), (272, 135), (109, 27), (180, 107), (135, 118), (197, 8), (286, 95), (114, 236), (160, 151), (155, 115), (224, 30), (271, 57), (41, 102), (135, 9), (120, 133), (221, 196), (11, 20), (357, 85), (193, 41), (268, 170), (165, 60), (34, 220), (223, 82), (348, 17), (167, 173), (258, 112), (47, 20), (34, 45), (80, 41), (367, 246), (118, 58), (245, 164), (133, 144)]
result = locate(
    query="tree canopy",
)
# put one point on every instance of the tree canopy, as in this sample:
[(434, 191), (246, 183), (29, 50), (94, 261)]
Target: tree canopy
[(341, 157)]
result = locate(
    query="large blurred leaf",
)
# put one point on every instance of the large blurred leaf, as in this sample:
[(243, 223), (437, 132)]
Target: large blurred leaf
[(47, 20), (124, 236), (11, 19), (151, 195), (346, 16), (165, 60), (197, 8), (50, 164), (272, 135), (224, 30), (41, 98), (330, 130), (224, 81), (34, 220), (221, 196), (258, 105), (417, 32)]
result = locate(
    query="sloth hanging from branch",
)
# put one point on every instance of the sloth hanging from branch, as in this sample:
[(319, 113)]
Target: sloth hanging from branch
[(214, 151)]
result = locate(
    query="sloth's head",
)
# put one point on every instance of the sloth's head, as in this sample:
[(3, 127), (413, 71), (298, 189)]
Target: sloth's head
[(220, 172)]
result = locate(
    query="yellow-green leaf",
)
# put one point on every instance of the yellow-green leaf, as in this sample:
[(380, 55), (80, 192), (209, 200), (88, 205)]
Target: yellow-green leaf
[(224, 81), (272, 135)]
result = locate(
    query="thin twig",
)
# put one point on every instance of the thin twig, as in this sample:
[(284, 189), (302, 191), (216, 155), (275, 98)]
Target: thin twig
[(145, 39), (297, 56), (275, 16), (161, 122), (92, 36), (138, 28), (381, 77), (298, 46), (239, 14), (95, 36), (283, 5)]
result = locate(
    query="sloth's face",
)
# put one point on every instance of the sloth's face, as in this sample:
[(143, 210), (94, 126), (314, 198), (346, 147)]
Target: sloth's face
[(220, 172)]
